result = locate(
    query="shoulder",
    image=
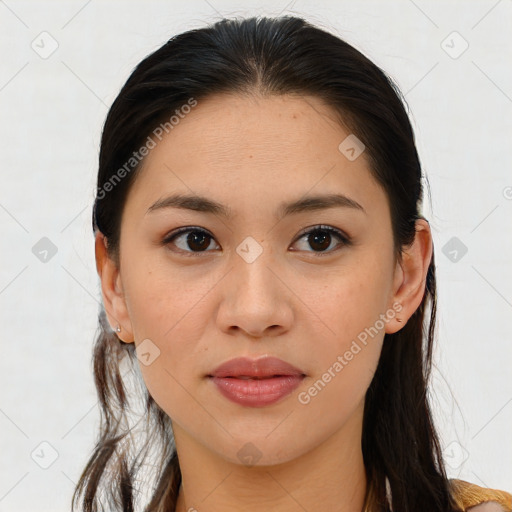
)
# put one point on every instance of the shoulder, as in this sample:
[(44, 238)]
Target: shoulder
[(474, 498), (488, 506)]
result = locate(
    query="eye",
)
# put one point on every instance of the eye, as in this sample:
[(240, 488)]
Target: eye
[(320, 238), (196, 239)]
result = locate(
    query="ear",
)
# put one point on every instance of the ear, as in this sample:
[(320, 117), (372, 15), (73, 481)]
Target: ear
[(410, 276), (112, 290)]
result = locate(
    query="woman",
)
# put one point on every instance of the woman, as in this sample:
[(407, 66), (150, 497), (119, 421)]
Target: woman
[(265, 264)]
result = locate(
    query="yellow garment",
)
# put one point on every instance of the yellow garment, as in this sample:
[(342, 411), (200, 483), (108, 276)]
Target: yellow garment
[(467, 495)]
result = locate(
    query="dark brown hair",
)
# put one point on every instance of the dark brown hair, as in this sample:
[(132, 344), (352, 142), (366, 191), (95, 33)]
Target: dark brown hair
[(269, 56)]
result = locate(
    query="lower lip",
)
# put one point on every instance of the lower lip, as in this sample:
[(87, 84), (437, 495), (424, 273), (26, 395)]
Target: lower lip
[(257, 392)]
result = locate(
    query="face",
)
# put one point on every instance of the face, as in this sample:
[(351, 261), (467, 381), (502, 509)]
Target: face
[(316, 287)]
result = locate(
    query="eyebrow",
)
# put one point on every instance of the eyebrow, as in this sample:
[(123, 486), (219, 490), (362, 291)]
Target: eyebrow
[(305, 204)]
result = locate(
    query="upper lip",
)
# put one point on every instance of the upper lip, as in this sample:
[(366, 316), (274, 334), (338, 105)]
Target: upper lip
[(262, 367)]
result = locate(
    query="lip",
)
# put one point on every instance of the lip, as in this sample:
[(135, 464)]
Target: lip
[(256, 382), (263, 367)]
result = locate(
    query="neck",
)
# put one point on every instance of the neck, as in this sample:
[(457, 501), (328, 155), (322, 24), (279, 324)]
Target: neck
[(330, 476)]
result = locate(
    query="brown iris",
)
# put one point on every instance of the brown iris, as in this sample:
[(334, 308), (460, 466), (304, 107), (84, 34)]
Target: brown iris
[(197, 240), (320, 237)]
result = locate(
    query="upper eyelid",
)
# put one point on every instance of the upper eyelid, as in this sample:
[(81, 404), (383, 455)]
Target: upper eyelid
[(318, 227)]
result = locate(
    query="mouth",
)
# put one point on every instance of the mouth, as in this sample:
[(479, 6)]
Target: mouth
[(256, 383)]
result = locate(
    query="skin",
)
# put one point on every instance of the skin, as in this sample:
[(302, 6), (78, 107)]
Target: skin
[(251, 153)]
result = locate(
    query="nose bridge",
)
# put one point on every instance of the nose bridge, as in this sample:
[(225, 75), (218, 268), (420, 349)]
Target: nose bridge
[(251, 265)]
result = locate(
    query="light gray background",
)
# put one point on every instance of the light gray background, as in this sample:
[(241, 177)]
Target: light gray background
[(52, 110)]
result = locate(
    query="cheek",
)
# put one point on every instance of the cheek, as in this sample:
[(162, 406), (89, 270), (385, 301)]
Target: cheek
[(346, 356), (348, 308), (351, 348), (347, 301), (161, 298), (168, 313)]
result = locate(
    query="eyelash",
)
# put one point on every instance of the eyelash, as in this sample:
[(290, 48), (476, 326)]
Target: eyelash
[(345, 240)]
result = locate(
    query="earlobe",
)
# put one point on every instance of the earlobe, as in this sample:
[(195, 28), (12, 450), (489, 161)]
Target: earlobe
[(112, 291), (410, 276)]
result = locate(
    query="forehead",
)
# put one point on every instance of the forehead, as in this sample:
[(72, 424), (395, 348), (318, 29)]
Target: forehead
[(272, 127), (255, 150)]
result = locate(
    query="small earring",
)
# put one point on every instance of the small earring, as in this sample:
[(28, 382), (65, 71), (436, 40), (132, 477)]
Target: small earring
[(118, 329)]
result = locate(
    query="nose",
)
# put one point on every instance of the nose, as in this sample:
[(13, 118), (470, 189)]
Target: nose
[(255, 298)]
